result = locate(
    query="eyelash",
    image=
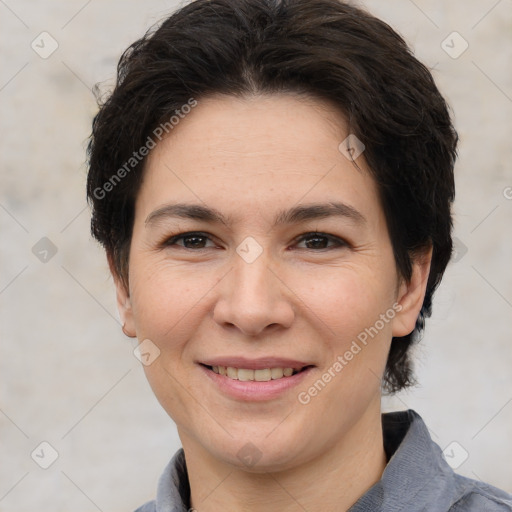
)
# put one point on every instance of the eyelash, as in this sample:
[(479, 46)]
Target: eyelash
[(315, 234)]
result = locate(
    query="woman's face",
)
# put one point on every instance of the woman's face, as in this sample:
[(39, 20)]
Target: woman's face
[(277, 284)]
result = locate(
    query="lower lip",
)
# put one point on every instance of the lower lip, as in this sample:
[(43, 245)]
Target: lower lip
[(251, 390)]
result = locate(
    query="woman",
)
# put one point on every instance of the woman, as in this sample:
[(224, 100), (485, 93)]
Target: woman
[(272, 183)]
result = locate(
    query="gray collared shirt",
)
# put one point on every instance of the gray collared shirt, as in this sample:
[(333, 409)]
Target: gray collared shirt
[(417, 478)]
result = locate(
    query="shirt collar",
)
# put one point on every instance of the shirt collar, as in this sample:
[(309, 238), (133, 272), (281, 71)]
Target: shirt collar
[(415, 470), (173, 492)]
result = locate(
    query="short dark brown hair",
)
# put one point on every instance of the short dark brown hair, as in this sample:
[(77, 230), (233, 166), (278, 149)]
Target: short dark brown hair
[(327, 49)]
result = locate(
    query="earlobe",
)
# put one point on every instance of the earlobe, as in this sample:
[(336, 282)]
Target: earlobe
[(411, 295), (123, 300), (125, 311)]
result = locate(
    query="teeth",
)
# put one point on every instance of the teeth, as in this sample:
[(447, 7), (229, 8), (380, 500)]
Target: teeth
[(245, 374), (262, 375), (276, 373)]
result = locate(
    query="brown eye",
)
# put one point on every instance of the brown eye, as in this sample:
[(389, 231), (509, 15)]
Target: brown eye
[(320, 241), (190, 240)]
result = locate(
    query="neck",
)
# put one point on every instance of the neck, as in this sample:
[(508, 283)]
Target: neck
[(333, 481)]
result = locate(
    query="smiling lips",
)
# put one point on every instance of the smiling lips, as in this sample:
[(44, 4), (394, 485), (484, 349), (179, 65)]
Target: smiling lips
[(261, 379)]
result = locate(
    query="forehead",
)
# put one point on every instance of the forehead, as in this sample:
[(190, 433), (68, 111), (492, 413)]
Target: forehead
[(284, 125), (261, 151)]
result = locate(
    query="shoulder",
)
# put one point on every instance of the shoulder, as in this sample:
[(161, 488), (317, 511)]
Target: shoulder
[(150, 506), (173, 490), (479, 496), (417, 464)]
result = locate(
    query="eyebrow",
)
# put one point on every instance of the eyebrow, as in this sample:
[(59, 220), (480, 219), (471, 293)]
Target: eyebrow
[(294, 215)]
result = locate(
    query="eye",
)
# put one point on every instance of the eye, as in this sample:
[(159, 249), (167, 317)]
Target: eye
[(197, 241), (191, 240), (319, 241)]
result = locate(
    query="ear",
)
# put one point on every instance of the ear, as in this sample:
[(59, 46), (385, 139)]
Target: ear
[(411, 295), (124, 305)]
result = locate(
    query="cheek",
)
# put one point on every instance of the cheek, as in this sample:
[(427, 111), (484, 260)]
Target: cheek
[(167, 304), (166, 297), (353, 312), (345, 300)]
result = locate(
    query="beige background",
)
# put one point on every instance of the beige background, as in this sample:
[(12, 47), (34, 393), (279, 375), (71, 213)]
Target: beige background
[(68, 375)]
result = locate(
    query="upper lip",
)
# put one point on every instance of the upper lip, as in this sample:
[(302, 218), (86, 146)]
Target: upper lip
[(259, 363)]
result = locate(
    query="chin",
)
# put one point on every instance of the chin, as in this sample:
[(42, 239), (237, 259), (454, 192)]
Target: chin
[(260, 452)]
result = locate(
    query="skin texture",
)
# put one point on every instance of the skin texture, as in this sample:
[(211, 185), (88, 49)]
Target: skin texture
[(250, 158)]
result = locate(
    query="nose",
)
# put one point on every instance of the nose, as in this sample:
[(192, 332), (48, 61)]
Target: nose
[(254, 298)]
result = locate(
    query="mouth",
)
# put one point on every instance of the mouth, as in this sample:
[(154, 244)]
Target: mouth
[(265, 379), (258, 375)]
